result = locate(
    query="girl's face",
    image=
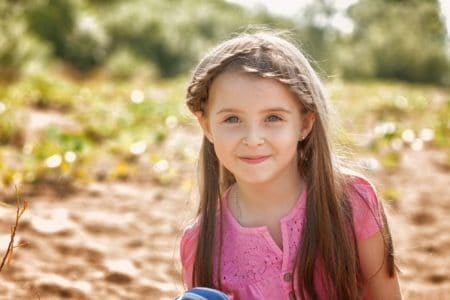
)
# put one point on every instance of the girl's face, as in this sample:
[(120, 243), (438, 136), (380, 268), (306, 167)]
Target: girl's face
[(255, 124)]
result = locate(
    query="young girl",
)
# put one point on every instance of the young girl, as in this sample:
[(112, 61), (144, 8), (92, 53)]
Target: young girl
[(279, 215)]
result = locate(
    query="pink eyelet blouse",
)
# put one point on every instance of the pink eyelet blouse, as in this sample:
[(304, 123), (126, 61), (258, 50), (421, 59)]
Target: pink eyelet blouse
[(254, 267)]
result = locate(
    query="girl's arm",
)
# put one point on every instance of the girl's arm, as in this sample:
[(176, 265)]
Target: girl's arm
[(373, 257)]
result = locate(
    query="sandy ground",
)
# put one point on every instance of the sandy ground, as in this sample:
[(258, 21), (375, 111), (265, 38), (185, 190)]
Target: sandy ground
[(120, 240)]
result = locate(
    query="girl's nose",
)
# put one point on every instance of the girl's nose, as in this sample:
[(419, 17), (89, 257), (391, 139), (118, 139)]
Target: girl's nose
[(254, 137)]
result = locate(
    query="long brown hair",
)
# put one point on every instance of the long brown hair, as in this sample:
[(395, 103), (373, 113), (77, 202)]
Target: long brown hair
[(326, 238)]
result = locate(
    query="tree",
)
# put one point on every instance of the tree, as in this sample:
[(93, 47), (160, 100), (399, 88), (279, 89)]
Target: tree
[(401, 39), (17, 46)]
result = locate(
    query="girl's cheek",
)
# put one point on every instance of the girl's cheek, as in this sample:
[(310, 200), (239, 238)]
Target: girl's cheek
[(224, 132), (282, 134)]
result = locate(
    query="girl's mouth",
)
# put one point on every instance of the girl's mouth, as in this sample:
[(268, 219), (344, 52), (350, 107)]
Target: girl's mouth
[(254, 159)]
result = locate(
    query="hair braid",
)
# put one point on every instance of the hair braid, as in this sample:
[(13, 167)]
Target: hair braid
[(197, 93)]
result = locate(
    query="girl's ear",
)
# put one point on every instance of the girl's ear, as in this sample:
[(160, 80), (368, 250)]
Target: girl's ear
[(308, 121), (204, 124)]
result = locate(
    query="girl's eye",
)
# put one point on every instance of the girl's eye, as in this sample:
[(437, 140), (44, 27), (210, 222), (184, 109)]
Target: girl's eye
[(232, 119), (273, 118)]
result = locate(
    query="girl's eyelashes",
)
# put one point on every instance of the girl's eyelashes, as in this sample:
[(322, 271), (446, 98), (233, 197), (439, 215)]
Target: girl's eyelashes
[(232, 120), (274, 118)]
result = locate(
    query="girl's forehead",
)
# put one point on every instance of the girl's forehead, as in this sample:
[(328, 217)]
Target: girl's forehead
[(249, 91), (240, 81)]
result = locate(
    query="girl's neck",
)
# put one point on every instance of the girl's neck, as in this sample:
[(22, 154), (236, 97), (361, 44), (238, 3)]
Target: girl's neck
[(256, 204)]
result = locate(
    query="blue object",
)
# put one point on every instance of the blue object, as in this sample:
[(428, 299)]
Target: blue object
[(202, 293)]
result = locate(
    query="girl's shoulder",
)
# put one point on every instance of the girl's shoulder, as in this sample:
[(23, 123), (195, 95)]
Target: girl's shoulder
[(367, 210), (188, 247), (190, 232), (362, 185), (356, 182), (188, 242)]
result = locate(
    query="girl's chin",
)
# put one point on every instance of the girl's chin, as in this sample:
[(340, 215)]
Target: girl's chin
[(255, 179)]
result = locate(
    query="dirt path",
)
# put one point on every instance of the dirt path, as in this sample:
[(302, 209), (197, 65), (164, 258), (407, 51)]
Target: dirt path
[(420, 223), (115, 241), (120, 240)]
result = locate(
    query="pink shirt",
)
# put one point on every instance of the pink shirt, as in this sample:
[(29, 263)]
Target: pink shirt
[(254, 267)]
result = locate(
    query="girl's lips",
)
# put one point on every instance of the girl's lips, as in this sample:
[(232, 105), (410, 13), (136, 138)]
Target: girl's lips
[(254, 159)]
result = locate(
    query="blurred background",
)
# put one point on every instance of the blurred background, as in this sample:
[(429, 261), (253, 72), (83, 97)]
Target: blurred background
[(94, 132)]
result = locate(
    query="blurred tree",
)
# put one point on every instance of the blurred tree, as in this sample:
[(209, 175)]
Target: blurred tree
[(138, 25), (172, 34), (401, 39), (317, 34), (74, 35), (17, 46)]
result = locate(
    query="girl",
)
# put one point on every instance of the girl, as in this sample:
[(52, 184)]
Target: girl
[(279, 215)]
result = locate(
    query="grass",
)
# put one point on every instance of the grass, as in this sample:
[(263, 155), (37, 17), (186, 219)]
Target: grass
[(122, 127), (386, 118), (118, 121)]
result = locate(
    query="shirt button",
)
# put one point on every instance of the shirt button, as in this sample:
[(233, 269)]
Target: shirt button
[(292, 295), (287, 277)]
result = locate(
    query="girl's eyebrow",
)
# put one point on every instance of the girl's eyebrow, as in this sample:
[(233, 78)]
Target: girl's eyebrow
[(273, 109)]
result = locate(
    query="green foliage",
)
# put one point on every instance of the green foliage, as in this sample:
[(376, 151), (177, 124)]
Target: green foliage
[(124, 65), (17, 46), (46, 91), (75, 36), (317, 35), (391, 39), (397, 39), (170, 36), (442, 125), (57, 141), (387, 118), (173, 42), (11, 129), (119, 126), (53, 21)]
